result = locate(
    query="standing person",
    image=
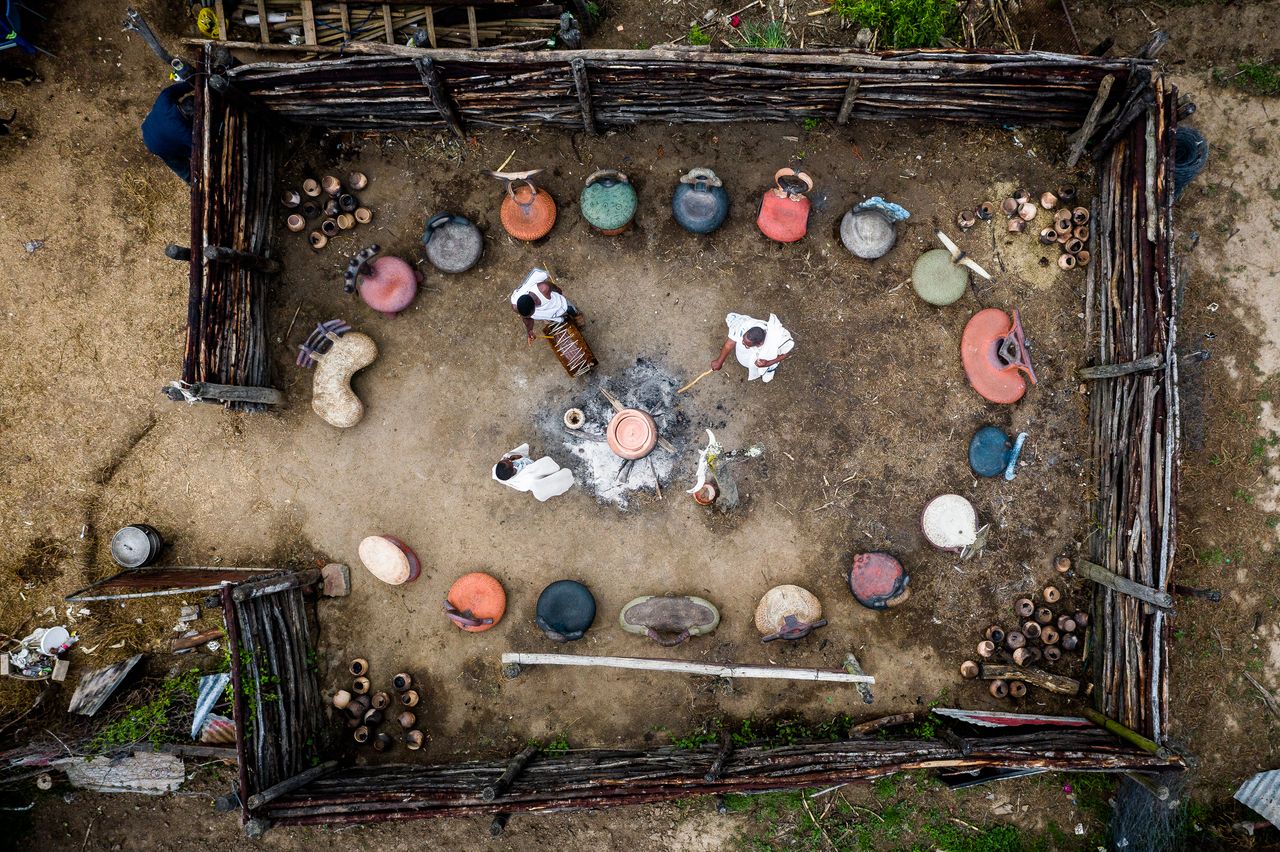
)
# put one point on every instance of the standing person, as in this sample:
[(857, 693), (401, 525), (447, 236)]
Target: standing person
[(537, 298), (760, 346), (543, 478), (166, 131)]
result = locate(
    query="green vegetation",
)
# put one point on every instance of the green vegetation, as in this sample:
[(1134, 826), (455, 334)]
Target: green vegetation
[(811, 124), (149, 722), (770, 36), (593, 9), (903, 23), (1255, 78), (557, 746), (697, 36)]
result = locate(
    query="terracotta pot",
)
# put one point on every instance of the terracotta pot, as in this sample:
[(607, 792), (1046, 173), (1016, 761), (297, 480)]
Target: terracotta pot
[(1062, 564), (1067, 193), (389, 559), (1080, 216), (1021, 195), (361, 734), (1031, 630), (341, 699), (1080, 232), (407, 719), (986, 649), (1014, 640), (360, 685), (1009, 206), (359, 667), (409, 698), (1049, 636), (387, 284), (402, 681), (1044, 615), (330, 208), (1066, 624), (1082, 619), (359, 706), (1025, 607), (331, 184), (999, 688), (632, 434), (1017, 689), (329, 227), (381, 700), (1026, 211), (878, 580), (413, 740), (1067, 262), (363, 215), (290, 199), (346, 221), (317, 240), (1048, 236), (527, 213), (968, 670), (1062, 221), (986, 210), (1017, 226), (707, 494), (310, 209), (995, 633), (574, 418), (1082, 257), (1052, 595), (1053, 653), (1070, 642), (475, 602), (1073, 245), (294, 222), (311, 187), (1048, 200), (1023, 656), (357, 181), (965, 219), (374, 717), (382, 742)]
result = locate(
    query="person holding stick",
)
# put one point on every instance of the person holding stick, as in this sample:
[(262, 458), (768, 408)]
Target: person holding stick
[(538, 298), (759, 346)]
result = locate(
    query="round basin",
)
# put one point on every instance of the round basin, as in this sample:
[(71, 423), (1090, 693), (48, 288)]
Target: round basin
[(632, 433)]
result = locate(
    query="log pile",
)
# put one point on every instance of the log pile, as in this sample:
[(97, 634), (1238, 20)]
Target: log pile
[(514, 89), (603, 778), (232, 187), (1131, 315)]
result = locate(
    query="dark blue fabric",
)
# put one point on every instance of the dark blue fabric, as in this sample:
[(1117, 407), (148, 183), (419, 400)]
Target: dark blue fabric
[(167, 132)]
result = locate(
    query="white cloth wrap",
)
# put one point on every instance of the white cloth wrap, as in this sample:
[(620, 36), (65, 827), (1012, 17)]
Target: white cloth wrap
[(777, 341), (543, 478), (547, 308)]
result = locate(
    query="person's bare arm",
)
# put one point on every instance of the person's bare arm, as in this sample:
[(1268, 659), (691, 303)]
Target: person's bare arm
[(718, 361)]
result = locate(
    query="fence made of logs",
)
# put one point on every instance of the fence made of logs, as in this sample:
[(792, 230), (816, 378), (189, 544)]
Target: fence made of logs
[(1121, 110)]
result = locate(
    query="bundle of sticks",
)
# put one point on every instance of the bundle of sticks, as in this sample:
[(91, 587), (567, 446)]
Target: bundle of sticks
[(1134, 410)]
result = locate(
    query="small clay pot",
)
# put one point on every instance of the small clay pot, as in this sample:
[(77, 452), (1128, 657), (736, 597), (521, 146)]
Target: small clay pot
[(986, 649), (1069, 642), (374, 717), (317, 240), (999, 688), (357, 181), (1082, 619), (360, 685), (1017, 689), (1026, 211), (995, 633), (1080, 216), (402, 681), (1025, 607), (1062, 564), (1014, 640), (311, 187), (361, 734), (1082, 257), (1073, 245), (331, 208), (346, 221), (1067, 194), (1009, 206), (1067, 261), (409, 698), (966, 219), (1063, 237), (1080, 232), (1021, 195), (1044, 615), (329, 227), (1052, 653), (347, 203), (358, 705), (1035, 654), (407, 720), (331, 184), (382, 742), (1049, 636), (1022, 656), (381, 700), (1017, 226), (1062, 221), (1031, 630), (413, 740), (1052, 595), (1048, 200), (353, 722), (310, 209), (968, 670), (1066, 624), (986, 210), (574, 418), (341, 699), (290, 199), (295, 222), (359, 667), (363, 215), (1048, 236)]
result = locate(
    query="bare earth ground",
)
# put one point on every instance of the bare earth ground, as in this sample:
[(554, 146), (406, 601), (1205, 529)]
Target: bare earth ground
[(97, 314)]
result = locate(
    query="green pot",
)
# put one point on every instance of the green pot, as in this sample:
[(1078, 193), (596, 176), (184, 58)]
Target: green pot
[(608, 201)]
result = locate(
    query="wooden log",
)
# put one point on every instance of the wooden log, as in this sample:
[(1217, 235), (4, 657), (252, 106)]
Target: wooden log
[(1126, 734), (582, 86), (177, 252), (182, 643), (258, 800), (1036, 677), (435, 86), (682, 667), (1082, 136), (846, 104), (1153, 361), (308, 22), (192, 392), (222, 254), (1123, 585), (722, 756), (508, 777), (275, 585), (852, 666), (865, 729)]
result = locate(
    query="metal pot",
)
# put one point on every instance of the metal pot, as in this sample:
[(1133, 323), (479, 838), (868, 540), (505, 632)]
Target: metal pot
[(700, 204), (454, 244), (135, 546)]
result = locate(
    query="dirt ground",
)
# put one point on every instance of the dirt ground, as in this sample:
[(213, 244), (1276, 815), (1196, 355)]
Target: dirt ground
[(90, 445)]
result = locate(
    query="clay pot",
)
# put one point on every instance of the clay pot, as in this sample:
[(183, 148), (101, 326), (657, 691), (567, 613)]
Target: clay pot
[(788, 612), (995, 633), (361, 735), (1017, 689), (1026, 211), (1063, 237), (986, 210), (1014, 640), (357, 181), (1009, 206), (1044, 615), (329, 227), (1048, 200), (707, 494), (1023, 656), (389, 559), (1017, 226), (1031, 630), (1080, 232), (381, 700), (359, 667), (347, 203), (1062, 564), (402, 681), (1021, 195), (1048, 236), (1066, 624), (1073, 245), (999, 688), (475, 602), (409, 698), (317, 240), (387, 284), (1070, 642), (290, 199), (382, 742), (1049, 636), (331, 184), (353, 722), (986, 649), (407, 720), (1052, 653), (373, 717), (1067, 194), (311, 187), (1067, 262), (1062, 221), (968, 670), (527, 213), (359, 706), (632, 433), (330, 208), (295, 222), (363, 215), (413, 740), (1082, 619), (1025, 607), (1051, 594), (1080, 216), (878, 580), (310, 209), (574, 418), (1082, 257), (346, 221), (360, 685), (341, 699), (965, 219)]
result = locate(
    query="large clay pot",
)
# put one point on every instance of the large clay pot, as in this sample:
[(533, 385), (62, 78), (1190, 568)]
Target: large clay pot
[(700, 204), (565, 610), (994, 355), (669, 619), (938, 279), (868, 234), (878, 581), (608, 201), (784, 210), (788, 612), (454, 244), (476, 602), (528, 213), (389, 559), (950, 522), (387, 284), (632, 433)]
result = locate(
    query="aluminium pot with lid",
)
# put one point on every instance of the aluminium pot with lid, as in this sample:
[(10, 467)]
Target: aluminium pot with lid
[(136, 546), (453, 242), (868, 233)]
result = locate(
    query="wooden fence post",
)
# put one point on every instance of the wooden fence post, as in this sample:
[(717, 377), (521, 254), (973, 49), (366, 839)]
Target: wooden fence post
[(435, 86), (583, 88)]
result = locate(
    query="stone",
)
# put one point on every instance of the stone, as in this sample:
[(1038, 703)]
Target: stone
[(337, 580)]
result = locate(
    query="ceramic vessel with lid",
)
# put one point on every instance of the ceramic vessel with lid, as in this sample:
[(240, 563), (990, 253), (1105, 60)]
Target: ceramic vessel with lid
[(632, 433)]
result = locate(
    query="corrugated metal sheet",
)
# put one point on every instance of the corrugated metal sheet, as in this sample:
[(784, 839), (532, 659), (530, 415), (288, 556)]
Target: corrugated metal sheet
[(1262, 793), (998, 719)]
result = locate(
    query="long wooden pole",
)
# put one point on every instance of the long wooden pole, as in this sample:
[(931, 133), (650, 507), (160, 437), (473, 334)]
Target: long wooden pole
[(701, 376), (682, 667)]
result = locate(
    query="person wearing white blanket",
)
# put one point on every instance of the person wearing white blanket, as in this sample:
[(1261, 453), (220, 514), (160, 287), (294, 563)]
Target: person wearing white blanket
[(538, 298), (759, 346), (543, 478)]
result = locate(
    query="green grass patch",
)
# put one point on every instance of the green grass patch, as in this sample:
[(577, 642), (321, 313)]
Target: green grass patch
[(903, 23), (1255, 78), (770, 36), (697, 36), (150, 722)]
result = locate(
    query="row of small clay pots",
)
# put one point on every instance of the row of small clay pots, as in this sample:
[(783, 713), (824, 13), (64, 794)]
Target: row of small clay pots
[(366, 711)]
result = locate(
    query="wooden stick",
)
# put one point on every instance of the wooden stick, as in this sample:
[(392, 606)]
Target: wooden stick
[(431, 79), (308, 22), (701, 376), (182, 643), (583, 88), (682, 667), (846, 105), (257, 800), (1081, 137), (508, 777), (852, 666), (1124, 585), (1130, 736), (717, 766), (1037, 677), (1153, 361)]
